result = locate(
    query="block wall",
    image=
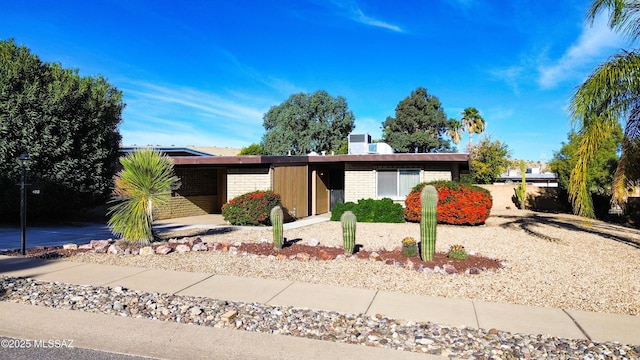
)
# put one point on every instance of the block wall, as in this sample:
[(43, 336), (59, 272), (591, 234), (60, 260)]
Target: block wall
[(242, 181), (182, 206)]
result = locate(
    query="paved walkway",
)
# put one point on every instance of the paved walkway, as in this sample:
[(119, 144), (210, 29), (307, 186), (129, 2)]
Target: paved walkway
[(456, 312), (170, 340)]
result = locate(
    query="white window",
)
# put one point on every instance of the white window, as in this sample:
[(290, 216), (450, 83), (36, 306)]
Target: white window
[(396, 184)]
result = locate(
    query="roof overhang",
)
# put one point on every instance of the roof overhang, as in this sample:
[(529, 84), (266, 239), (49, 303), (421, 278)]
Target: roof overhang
[(320, 159)]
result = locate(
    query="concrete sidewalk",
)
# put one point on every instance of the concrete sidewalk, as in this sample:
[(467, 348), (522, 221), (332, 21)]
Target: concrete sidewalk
[(572, 324)]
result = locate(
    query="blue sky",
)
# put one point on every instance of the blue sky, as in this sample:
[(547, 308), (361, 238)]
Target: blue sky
[(204, 72)]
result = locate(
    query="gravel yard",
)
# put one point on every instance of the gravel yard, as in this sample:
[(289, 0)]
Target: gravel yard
[(554, 260)]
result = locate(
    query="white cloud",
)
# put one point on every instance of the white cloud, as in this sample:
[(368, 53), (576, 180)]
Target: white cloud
[(360, 17), (594, 43), (354, 13), (180, 116)]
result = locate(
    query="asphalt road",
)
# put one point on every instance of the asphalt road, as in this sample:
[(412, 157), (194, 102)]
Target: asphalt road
[(10, 237), (18, 349)]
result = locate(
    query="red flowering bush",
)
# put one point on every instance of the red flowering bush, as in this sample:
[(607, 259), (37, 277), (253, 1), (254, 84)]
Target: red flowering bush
[(457, 203), (251, 208)]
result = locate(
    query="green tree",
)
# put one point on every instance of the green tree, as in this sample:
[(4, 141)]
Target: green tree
[(419, 125), (66, 123), (144, 183), (305, 123), (253, 149), (455, 130), (606, 99), (489, 159), (474, 123), (601, 169)]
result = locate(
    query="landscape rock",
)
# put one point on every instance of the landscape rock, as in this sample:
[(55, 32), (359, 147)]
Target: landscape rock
[(449, 269), (163, 250), (85, 247), (374, 256), (100, 246), (473, 271), (200, 247), (70, 246), (323, 255), (115, 250), (147, 250), (303, 256), (409, 265), (182, 248)]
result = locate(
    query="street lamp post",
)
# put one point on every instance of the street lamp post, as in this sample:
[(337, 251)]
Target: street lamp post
[(24, 158)]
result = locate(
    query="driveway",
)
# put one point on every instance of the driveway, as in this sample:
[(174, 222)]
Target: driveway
[(10, 237)]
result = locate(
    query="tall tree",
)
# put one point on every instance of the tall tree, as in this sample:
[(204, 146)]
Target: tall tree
[(489, 159), (602, 166), (305, 123), (253, 149), (610, 96), (66, 123), (474, 123), (419, 125), (145, 182), (455, 130)]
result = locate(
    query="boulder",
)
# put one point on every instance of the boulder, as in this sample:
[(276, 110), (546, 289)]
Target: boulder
[(115, 250), (200, 247), (70, 246), (100, 246), (449, 269), (147, 250), (183, 248), (163, 250)]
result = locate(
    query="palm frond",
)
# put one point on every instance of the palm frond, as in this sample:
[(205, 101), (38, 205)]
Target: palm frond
[(623, 15), (609, 94)]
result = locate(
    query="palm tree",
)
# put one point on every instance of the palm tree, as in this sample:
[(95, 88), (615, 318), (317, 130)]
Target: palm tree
[(611, 94), (474, 123), (145, 182), (455, 130)]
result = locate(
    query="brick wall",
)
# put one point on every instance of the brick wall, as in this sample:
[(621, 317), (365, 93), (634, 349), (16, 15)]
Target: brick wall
[(242, 181), (360, 179), (435, 175), (181, 206), (359, 182)]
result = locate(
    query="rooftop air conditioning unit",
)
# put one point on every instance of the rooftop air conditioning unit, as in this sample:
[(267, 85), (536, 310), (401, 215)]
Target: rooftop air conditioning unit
[(359, 144)]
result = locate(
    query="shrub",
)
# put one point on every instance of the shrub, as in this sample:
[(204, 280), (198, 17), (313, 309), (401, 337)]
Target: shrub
[(370, 210), (251, 208), (457, 203)]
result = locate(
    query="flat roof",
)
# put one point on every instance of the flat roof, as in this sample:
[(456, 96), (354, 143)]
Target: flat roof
[(319, 159)]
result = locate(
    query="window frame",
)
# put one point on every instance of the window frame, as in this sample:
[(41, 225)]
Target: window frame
[(397, 171)]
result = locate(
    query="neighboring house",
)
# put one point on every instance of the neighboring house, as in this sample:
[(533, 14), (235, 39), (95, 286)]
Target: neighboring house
[(308, 185), (532, 177)]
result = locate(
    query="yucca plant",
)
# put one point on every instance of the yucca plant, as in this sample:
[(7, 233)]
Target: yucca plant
[(145, 182)]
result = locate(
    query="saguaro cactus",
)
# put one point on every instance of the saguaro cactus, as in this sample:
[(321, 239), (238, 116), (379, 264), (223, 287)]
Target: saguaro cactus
[(276, 222), (428, 222), (348, 221)]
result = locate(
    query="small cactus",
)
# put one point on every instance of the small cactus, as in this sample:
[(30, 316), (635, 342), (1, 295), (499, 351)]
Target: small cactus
[(276, 223), (348, 221), (457, 252), (409, 247), (428, 222)]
